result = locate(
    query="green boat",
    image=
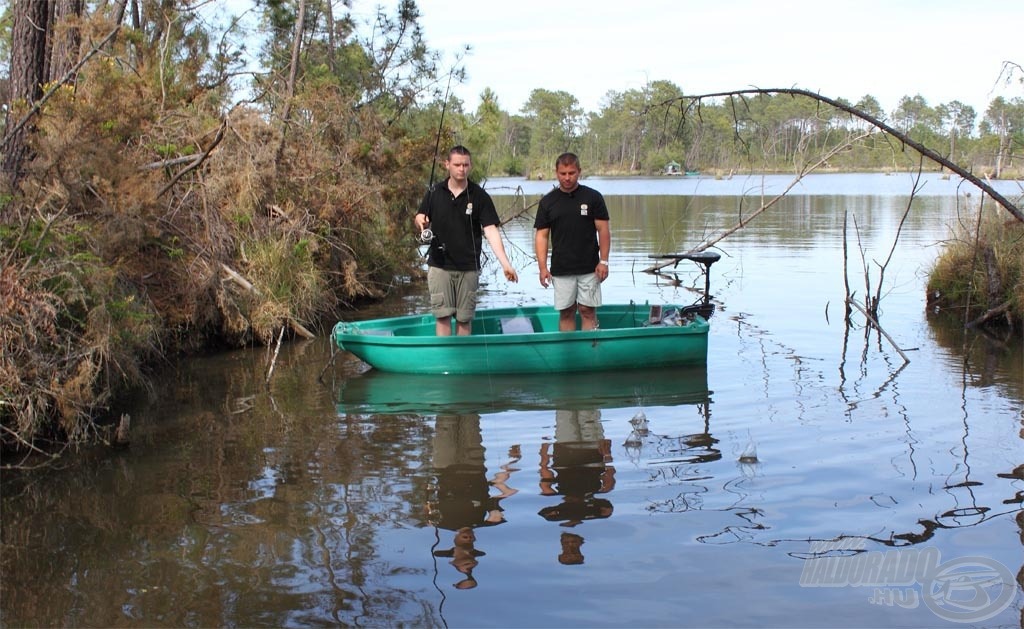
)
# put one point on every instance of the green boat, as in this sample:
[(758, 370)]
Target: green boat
[(381, 392), (527, 340)]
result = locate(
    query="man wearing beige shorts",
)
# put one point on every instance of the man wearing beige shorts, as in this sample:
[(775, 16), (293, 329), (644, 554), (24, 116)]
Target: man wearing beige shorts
[(460, 214)]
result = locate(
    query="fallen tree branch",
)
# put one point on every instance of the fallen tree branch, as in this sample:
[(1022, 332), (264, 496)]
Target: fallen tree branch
[(902, 137), (197, 161), (764, 207), (874, 323), (235, 277), (238, 279), (1002, 308)]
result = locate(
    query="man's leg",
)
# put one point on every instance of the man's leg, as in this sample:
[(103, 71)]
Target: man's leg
[(589, 316), (567, 319), (444, 326)]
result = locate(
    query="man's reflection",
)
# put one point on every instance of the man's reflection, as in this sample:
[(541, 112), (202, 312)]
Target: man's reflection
[(577, 467), (572, 553), (463, 499), (463, 554)]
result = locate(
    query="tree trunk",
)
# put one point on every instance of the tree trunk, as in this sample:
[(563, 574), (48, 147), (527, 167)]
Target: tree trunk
[(293, 71), (66, 38), (28, 73)]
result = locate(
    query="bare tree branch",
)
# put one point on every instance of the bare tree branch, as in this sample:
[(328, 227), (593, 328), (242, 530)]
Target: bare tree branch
[(902, 137)]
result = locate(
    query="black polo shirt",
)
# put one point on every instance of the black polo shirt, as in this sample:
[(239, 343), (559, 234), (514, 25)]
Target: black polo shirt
[(457, 223), (570, 216)]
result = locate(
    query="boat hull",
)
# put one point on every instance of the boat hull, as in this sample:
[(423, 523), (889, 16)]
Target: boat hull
[(502, 342)]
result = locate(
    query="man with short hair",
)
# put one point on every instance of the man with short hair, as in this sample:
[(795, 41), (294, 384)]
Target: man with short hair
[(574, 219), (460, 214)]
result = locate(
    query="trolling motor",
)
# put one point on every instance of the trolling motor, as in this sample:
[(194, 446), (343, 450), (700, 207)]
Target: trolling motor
[(704, 259)]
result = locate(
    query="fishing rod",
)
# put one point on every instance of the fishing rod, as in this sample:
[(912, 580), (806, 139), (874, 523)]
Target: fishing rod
[(440, 128), (427, 235)]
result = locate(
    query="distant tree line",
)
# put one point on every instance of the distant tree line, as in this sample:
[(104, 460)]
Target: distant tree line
[(640, 131)]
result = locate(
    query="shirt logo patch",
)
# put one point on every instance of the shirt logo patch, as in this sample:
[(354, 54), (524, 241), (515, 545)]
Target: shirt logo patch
[(583, 209), (469, 208)]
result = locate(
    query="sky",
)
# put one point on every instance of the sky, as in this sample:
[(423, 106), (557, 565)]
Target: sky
[(942, 50)]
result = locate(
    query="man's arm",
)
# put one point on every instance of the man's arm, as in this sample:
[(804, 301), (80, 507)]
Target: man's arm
[(494, 239), (604, 243), (540, 248)]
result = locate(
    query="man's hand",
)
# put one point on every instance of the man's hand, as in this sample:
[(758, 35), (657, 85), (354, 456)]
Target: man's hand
[(545, 276)]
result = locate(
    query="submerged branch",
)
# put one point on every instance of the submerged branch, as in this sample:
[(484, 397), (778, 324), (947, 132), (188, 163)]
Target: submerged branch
[(874, 322), (1001, 309)]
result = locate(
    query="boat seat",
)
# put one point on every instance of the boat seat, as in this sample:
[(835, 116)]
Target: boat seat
[(516, 325)]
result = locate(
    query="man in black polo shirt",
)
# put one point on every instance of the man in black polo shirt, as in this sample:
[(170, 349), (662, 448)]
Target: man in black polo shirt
[(460, 214), (574, 219)]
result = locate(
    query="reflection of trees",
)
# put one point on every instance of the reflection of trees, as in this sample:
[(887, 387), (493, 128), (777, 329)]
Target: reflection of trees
[(219, 518), (988, 359)]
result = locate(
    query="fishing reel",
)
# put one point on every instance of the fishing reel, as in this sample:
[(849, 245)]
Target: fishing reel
[(427, 236)]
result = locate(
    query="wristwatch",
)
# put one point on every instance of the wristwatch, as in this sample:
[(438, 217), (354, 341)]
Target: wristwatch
[(604, 262)]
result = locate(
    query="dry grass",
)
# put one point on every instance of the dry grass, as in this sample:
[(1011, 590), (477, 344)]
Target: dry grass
[(114, 246), (980, 273)]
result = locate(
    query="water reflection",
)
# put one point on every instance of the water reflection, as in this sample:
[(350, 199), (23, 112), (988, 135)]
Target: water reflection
[(462, 490), (577, 467), (381, 392), (461, 498)]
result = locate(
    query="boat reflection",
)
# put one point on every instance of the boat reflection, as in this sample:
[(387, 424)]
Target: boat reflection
[(390, 393), (574, 477)]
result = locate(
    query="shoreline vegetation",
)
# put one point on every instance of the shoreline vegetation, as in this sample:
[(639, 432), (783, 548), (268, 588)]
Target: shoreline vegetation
[(146, 215)]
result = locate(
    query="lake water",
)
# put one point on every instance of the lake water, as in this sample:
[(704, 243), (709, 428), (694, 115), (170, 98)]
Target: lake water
[(807, 477)]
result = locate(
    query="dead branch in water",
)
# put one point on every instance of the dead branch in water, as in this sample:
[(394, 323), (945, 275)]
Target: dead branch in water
[(896, 239), (277, 350), (874, 323), (1001, 309)]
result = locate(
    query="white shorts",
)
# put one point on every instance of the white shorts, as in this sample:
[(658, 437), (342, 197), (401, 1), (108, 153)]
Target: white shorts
[(570, 290)]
